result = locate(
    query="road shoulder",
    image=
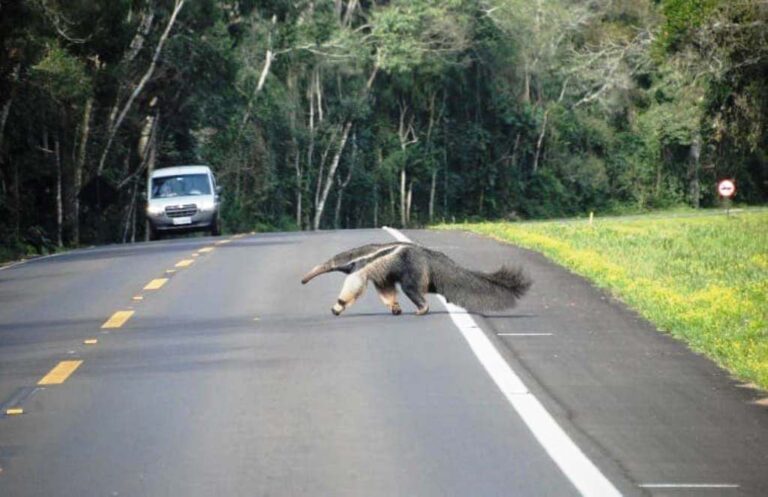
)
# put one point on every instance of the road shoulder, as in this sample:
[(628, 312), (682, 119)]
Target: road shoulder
[(628, 395)]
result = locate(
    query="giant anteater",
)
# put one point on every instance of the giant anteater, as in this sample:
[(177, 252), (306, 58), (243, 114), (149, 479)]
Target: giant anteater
[(419, 271)]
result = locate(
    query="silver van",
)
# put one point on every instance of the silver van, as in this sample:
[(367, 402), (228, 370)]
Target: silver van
[(183, 198)]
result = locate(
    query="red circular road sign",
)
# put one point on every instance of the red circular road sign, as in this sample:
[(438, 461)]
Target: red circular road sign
[(726, 188)]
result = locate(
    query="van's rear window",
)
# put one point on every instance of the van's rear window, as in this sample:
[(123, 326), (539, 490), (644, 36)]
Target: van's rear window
[(182, 185)]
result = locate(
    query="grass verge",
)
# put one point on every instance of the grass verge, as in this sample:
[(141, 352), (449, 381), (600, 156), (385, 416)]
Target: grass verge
[(701, 277)]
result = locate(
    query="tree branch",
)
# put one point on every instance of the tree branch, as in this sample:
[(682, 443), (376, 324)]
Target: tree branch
[(140, 87)]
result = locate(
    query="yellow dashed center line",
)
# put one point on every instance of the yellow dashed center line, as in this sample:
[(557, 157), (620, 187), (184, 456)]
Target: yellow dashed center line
[(156, 284), (118, 319), (60, 373), (64, 369)]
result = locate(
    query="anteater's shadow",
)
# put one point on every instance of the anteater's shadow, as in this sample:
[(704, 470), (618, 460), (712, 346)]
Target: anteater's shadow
[(413, 314)]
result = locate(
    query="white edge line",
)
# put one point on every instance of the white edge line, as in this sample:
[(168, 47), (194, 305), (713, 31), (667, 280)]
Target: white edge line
[(688, 485), (524, 334), (581, 472)]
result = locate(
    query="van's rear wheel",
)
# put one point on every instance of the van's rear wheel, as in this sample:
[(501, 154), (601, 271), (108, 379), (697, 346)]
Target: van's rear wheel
[(215, 227), (154, 234)]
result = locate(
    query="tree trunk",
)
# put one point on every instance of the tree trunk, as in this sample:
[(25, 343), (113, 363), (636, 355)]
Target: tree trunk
[(694, 156), (129, 216), (351, 6), (135, 208), (59, 199), (145, 148), (321, 197), (379, 160), (515, 147), (403, 220), (238, 174), (372, 77), (481, 202), (432, 188), (343, 184), (269, 57), (292, 84), (54, 158), (321, 168), (299, 188), (151, 160), (311, 144), (659, 172), (540, 142), (145, 137), (316, 95), (16, 200), (375, 205), (331, 174), (445, 182), (525, 97), (432, 120), (337, 210), (3, 119), (407, 136), (77, 177), (137, 43), (140, 87), (152, 156), (319, 94), (392, 215), (7, 105), (408, 199)]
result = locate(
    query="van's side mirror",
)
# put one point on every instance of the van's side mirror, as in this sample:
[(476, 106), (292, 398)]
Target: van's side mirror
[(218, 189)]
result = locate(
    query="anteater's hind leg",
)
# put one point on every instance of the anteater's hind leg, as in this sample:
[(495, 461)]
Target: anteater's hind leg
[(415, 286), (354, 284), (388, 295)]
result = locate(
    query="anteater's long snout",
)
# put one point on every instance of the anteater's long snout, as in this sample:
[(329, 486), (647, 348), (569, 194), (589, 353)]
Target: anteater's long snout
[(316, 271)]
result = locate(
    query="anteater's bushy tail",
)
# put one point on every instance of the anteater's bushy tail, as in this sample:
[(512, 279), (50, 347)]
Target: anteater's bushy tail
[(478, 291)]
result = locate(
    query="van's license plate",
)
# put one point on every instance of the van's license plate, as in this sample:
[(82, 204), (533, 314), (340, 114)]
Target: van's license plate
[(182, 220)]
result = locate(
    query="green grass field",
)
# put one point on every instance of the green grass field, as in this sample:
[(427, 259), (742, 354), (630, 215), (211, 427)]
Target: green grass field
[(703, 277)]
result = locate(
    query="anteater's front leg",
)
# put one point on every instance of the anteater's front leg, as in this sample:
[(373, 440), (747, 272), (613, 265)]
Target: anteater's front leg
[(415, 287), (354, 284)]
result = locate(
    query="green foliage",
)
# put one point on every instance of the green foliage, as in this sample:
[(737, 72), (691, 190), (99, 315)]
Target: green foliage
[(416, 34), (497, 109), (681, 18), (63, 75)]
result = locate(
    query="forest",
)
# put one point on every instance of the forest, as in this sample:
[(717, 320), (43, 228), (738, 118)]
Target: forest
[(321, 114)]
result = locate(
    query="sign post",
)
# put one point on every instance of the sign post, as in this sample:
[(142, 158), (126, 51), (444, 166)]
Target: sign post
[(726, 188)]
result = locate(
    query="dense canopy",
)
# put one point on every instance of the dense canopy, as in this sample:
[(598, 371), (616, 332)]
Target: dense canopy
[(319, 114)]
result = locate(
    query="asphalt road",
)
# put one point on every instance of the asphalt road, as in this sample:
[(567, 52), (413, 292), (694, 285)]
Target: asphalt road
[(231, 378)]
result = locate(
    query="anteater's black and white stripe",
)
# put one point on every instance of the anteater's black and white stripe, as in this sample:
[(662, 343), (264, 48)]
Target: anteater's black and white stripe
[(419, 271)]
